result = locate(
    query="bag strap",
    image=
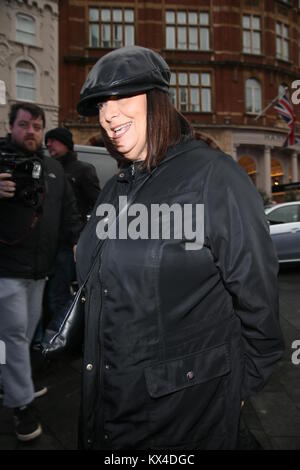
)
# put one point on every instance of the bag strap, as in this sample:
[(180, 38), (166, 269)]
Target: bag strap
[(124, 209)]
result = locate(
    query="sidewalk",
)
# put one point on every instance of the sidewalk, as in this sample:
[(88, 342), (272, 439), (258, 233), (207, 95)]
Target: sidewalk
[(273, 415)]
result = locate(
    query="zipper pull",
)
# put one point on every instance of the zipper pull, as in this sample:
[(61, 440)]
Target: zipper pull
[(132, 169)]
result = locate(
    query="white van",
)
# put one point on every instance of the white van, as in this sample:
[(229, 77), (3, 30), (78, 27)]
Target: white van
[(105, 165)]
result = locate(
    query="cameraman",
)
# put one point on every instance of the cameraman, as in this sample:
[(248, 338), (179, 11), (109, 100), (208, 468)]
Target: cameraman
[(29, 231)]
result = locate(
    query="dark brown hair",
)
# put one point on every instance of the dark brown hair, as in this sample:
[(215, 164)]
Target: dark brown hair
[(33, 109), (165, 127)]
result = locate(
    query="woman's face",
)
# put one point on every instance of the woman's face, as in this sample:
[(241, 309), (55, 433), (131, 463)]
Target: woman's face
[(125, 122)]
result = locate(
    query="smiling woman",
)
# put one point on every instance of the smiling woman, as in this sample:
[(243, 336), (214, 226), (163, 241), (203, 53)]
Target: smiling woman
[(124, 120), (171, 314)]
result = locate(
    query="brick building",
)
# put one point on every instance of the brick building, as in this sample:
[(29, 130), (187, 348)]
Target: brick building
[(229, 59)]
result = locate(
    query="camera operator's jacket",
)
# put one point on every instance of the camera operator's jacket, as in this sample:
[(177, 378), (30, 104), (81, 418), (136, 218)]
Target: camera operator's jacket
[(29, 238), (176, 338), (84, 181)]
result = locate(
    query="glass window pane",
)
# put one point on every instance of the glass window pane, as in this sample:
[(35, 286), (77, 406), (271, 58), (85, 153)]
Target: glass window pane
[(170, 39), (129, 35), (256, 43), (25, 38), (195, 106), (285, 31), (278, 28), (2, 92), (246, 21), (94, 35), (246, 41), (117, 15), (105, 14), (204, 39), (204, 19), (94, 14), (286, 50), (173, 79), (183, 99), (26, 24), (257, 99), (105, 36), (182, 79), (181, 17), (129, 16), (181, 38), (205, 100), (193, 38), (170, 17), (118, 35), (256, 22), (194, 79), (25, 94), (278, 47), (205, 79), (172, 94), (193, 17)]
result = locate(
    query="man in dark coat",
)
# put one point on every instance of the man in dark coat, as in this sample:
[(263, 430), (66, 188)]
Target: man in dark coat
[(37, 205), (85, 183)]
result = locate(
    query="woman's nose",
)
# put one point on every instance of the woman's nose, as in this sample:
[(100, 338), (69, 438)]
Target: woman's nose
[(110, 109)]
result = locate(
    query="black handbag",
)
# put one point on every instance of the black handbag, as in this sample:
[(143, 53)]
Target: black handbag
[(69, 336)]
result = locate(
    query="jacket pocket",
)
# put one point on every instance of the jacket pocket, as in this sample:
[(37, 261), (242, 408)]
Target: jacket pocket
[(171, 376)]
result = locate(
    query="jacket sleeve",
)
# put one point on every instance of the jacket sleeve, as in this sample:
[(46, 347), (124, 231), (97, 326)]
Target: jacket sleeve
[(71, 220), (239, 238), (89, 185)]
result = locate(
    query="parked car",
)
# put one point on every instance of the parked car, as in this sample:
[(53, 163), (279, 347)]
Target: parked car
[(284, 220), (105, 165)]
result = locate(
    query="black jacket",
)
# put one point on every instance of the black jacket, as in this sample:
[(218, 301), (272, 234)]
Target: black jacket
[(176, 338), (84, 181), (29, 238)]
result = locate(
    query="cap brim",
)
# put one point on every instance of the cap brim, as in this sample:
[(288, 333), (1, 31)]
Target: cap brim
[(87, 106)]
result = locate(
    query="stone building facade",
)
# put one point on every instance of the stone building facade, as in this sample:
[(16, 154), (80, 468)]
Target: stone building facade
[(29, 57), (229, 60)]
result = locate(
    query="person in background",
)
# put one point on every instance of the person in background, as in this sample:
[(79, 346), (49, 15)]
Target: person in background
[(180, 326), (37, 205), (85, 183)]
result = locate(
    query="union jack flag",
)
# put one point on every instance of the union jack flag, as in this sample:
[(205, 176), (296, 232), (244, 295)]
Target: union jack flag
[(286, 111)]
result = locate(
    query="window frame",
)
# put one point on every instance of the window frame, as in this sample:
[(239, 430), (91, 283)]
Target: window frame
[(112, 25), (176, 87), (20, 31), (188, 26), (283, 41), (30, 71), (252, 31), (253, 110)]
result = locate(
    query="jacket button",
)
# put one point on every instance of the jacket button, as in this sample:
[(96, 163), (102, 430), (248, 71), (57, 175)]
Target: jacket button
[(107, 366), (106, 436), (105, 291), (83, 299), (190, 375), (89, 367), (121, 175)]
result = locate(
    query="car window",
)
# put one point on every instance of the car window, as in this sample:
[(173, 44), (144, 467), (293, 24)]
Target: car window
[(284, 215)]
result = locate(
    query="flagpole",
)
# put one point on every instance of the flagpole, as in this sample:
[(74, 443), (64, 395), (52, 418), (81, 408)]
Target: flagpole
[(278, 97)]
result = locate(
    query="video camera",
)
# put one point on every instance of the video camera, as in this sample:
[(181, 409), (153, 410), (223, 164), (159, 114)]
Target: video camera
[(27, 173)]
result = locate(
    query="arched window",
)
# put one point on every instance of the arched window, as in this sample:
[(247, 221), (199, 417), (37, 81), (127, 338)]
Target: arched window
[(25, 29), (253, 96), (25, 81)]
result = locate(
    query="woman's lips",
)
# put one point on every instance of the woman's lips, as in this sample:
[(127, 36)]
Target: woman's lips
[(121, 130)]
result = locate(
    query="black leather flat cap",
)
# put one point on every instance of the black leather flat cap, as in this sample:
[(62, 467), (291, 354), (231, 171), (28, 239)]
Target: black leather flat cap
[(123, 72)]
